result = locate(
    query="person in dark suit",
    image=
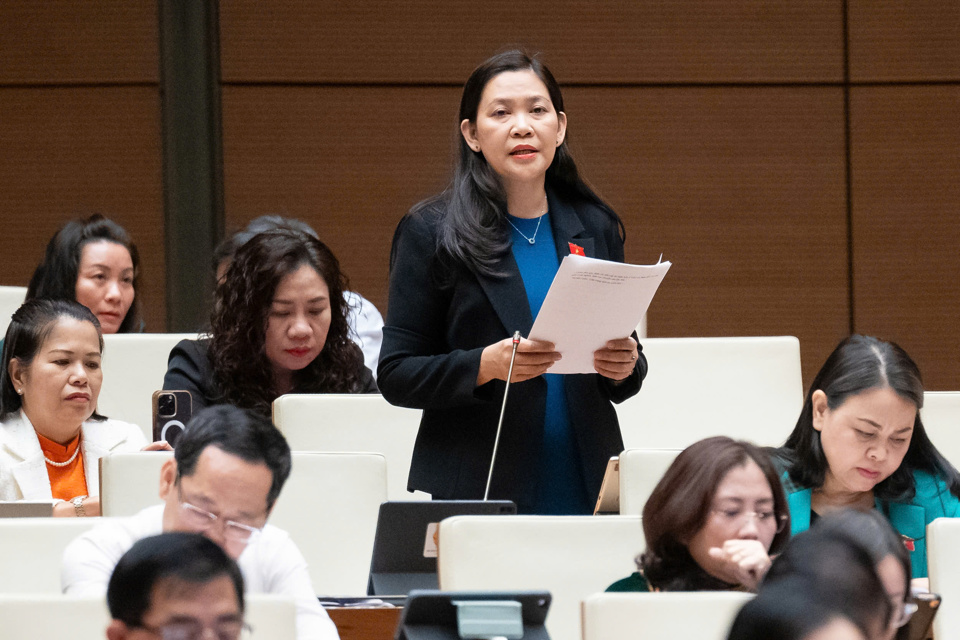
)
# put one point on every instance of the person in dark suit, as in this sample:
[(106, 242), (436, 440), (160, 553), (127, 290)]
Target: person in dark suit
[(472, 266)]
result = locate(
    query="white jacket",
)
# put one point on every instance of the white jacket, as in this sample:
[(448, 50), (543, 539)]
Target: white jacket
[(23, 471)]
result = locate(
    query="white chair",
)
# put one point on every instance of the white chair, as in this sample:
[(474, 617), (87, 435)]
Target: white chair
[(133, 368), (130, 482), (704, 615), (745, 388), (570, 556), (943, 567), (10, 300), (33, 551), (329, 506), (640, 471), (941, 419), (353, 422), (56, 616)]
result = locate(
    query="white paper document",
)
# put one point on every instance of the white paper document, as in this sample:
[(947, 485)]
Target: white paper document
[(590, 302)]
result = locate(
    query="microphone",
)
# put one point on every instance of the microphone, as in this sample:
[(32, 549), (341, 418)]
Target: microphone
[(506, 390)]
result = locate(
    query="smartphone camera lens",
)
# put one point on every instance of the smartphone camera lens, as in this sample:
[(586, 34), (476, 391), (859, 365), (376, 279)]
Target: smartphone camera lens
[(167, 405)]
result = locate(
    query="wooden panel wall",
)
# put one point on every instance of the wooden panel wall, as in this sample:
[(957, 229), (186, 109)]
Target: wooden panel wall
[(796, 161), (716, 130), (80, 130)]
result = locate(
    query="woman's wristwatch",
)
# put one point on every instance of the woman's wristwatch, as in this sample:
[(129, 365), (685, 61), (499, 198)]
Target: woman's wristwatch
[(78, 506)]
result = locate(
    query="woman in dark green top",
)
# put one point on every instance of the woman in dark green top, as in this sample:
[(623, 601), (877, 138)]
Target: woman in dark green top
[(712, 521)]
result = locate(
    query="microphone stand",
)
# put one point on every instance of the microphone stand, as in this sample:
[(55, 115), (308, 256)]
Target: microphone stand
[(503, 408)]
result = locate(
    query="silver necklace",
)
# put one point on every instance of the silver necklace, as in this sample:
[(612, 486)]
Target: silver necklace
[(531, 240), (63, 464)]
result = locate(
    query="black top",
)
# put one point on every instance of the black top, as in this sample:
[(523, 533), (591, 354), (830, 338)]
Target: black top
[(441, 317), (189, 369)]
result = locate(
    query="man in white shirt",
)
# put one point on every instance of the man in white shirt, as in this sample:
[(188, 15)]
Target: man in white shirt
[(175, 585), (228, 468)]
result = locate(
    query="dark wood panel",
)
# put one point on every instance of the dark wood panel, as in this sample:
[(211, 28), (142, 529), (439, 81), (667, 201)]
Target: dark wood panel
[(349, 161), (906, 197), (743, 190), (75, 151), (600, 41), (65, 41), (895, 40)]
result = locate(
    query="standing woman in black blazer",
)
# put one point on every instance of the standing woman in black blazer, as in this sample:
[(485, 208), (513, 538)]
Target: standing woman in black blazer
[(471, 266)]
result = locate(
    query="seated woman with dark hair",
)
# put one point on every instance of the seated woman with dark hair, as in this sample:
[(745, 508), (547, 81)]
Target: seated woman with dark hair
[(93, 262), (797, 609), (279, 325), (712, 521), (859, 443), (889, 556), (843, 570), (51, 438)]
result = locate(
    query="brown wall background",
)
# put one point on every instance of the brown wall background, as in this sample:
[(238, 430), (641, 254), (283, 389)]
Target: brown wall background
[(798, 162)]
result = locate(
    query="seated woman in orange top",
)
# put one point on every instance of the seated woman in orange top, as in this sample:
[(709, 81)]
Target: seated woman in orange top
[(51, 437)]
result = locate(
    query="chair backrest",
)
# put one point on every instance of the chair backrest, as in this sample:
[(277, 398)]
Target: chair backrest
[(130, 482), (704, 615), (56, 616), (570, 556), (133, 368), (745, 388), (10, 300), (941, 419), (353, 422), (329, 507), (32, 551), (640, 471), (943, 567)]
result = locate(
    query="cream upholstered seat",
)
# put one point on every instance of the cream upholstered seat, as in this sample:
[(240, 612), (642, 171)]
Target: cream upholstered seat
[(640, 471), (33, 551), (353, 422), (56, 616), (704, 615), (943, 567), (747, 388), (133, 368), (10, 300), (329, 506), (130, 481), (941, 419), (570, 556)]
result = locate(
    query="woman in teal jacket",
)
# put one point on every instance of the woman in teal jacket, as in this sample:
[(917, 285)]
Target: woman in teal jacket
[(860, 443)]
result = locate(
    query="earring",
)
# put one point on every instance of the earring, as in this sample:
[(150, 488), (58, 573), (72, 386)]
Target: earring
[(19, 392)]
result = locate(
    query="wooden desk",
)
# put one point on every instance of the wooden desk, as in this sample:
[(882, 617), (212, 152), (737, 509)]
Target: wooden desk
[(365, 623)]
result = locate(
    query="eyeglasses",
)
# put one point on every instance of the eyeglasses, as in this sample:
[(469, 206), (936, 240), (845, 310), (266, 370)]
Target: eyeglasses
[(201, 520), (196, 630), (902, 613), (738, 517)]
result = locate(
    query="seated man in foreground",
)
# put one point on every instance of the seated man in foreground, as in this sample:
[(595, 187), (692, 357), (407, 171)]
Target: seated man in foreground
[(175, 585), (227, 471)]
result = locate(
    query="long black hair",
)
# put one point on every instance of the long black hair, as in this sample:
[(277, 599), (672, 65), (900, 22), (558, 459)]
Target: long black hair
[(858, 364), (473, 230), (56, 276), (29, 327)]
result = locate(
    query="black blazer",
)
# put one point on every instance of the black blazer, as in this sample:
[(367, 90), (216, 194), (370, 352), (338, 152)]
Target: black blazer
[(189, 369), (439, 320)]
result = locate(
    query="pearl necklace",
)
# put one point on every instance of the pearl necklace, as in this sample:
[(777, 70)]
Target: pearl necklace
[(532, 240), (63, 464)]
